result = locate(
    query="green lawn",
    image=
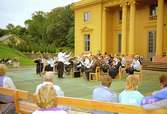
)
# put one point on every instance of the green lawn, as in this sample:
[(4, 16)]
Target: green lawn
[(11, 53), (26, 79)]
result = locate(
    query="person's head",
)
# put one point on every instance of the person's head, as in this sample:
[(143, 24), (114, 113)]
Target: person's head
[(136, 57), (3, 69), (61, 50), (46, 96), (132, 82), (48, 77), (131, 71), (106, 80), (163, 80)]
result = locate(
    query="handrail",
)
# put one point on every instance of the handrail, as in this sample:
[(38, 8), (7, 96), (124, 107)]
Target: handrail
[(77, 102)]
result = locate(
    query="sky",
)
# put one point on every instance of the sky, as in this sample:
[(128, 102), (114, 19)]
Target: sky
[(17, 11)]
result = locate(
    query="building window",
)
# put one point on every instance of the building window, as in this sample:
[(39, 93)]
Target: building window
[(87, 42), (119, 42), (151, 42), (120, 15), (153, 11), (87, 16)]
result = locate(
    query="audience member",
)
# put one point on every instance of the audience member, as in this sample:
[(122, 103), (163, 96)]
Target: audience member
[(48, 78), (130, 95), (103, 93), (6, 82), (46, 100), (158, 98)]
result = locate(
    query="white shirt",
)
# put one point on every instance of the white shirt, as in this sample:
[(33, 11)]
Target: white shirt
[(51, 62), (57, 88), (87, 63), (8, 83), (123, 61), (136, 65), (62, 56), (116, 60)]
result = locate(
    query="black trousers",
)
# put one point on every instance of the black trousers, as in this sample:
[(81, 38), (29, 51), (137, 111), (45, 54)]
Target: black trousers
[(87, 73), (60, 69)]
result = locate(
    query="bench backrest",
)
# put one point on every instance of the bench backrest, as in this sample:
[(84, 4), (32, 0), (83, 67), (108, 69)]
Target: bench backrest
[(27, 107)]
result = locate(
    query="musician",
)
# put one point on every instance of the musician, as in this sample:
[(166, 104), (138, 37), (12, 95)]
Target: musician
[(39, 66), (61, 60), (87, 64), (50, 64), (136, 64), (123, 61)]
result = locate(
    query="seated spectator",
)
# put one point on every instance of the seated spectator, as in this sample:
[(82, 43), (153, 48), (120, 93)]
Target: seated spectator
[(103, 93), (46, 100), (158, 98), (130, 95), (6, 82), (48, 78)]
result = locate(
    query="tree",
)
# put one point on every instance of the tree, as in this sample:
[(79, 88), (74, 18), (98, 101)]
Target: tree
[(46, 31)]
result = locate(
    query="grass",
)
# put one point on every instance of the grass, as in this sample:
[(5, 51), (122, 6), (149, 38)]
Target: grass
[(26, 79), (6, 52)]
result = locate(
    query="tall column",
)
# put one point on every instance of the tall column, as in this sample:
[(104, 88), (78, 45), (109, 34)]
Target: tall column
[(132, 27), (160, 28), (124, 28), (104, 30)]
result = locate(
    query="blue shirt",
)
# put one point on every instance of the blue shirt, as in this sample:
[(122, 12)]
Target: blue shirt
[(161, 94), (103, 93), (132, 97)]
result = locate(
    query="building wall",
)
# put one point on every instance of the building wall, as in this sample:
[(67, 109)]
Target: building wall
[(165, 29), (143, 26), (93, 27), (109, 31), (113, 26)]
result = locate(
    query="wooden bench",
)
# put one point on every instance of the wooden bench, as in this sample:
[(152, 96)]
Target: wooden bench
[(24, 106)]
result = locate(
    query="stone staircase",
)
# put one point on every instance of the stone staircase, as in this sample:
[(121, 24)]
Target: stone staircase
[(154, 66)]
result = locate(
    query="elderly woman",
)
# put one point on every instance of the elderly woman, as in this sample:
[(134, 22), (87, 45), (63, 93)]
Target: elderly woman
[(7, 83), (4, 80), (130, 95), (48, 78), (46, 100)]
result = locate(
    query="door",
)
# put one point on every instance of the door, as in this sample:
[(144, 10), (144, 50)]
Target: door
[(151, 43), (119, 43)]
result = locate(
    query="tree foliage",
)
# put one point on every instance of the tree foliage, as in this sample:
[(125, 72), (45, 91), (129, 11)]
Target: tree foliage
[(46, 32)]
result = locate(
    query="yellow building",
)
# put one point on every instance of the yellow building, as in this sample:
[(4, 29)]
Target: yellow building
[(121, 26)]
